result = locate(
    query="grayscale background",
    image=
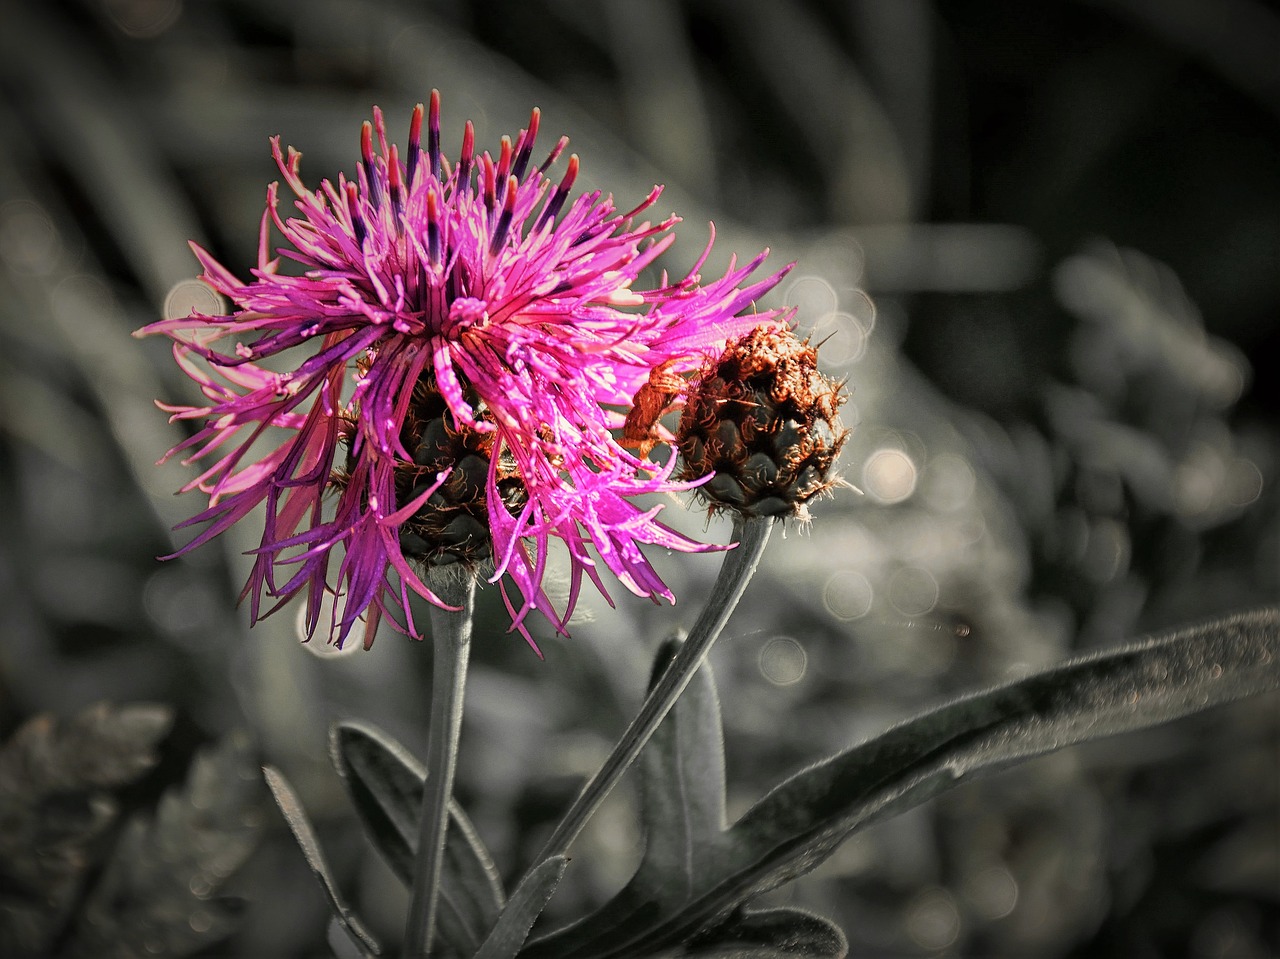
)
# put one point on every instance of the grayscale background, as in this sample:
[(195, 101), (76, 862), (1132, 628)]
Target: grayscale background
[(1067, 216)]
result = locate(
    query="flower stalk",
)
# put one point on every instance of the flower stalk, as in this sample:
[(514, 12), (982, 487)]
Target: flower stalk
[(752, 534), (451, 644)]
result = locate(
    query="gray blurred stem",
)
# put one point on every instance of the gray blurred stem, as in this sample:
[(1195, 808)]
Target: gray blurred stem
[(451, 643), (739, 565)]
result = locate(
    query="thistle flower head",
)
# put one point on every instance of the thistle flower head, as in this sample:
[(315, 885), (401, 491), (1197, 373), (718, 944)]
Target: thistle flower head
[(459, 348), (764, 420)]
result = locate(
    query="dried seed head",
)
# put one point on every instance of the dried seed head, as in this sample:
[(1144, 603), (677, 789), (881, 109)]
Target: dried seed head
[(764, 420)]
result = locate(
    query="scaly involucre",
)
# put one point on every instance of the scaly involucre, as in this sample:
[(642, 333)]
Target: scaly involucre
[(477, 284)]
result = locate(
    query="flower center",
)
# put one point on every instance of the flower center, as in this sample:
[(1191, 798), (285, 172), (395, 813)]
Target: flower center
[(453, 524)]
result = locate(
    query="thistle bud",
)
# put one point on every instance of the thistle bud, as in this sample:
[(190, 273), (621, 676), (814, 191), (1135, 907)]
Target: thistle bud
[(764, 421)]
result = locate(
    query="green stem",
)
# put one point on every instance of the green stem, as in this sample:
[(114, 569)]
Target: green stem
[(451, 644), (739, 565)]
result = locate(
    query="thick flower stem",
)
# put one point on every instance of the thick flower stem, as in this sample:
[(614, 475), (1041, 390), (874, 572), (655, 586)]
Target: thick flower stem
[(451, 643), (739, 565)]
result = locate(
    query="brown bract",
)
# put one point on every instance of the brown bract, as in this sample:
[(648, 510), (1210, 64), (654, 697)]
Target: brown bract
[(452, 525), (766, 422)]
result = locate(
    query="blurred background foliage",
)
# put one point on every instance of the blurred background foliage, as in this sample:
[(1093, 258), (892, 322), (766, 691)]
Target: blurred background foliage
[(1067, 215)]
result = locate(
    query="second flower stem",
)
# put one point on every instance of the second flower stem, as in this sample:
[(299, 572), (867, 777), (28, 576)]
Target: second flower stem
[(739, 565), (451, 645)]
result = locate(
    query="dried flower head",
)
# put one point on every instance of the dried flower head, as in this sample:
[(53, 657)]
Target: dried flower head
[(460, 351), (764, 420)]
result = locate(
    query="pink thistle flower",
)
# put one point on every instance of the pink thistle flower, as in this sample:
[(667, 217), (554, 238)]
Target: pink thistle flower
[(466, 344)]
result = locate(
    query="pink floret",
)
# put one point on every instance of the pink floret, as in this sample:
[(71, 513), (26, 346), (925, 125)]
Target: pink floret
[(487, 281)]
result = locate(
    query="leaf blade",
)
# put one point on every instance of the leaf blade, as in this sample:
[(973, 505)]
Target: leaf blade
[(682, 784), (300, 826), (523, 908), (803, 820), (1152, 682), (385, 783), (770, 933)]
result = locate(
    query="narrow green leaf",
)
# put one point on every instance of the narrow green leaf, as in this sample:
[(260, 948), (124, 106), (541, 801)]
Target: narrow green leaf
[(385, 782), (300, 826), (342, 943), (805, 819), (524, 907), (771, 933)]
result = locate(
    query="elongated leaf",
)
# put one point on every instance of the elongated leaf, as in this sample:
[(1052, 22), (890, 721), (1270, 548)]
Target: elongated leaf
[(343, 943), (682, 788), (771, 933), (300, 826), (524, 907), (802, 821), (385, 783), (806, 818)]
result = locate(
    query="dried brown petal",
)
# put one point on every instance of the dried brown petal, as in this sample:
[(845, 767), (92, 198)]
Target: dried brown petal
[(765, 421)]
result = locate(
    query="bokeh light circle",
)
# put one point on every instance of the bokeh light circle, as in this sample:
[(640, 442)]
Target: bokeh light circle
[(889, 475), (319, 645), (847, 594), (783, 661), (913, 591), (191, 295)]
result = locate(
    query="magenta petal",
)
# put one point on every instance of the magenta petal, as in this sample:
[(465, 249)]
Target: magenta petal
[(482, 285)]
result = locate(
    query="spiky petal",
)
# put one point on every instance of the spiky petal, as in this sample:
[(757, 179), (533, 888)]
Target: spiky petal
[(495, 296)]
